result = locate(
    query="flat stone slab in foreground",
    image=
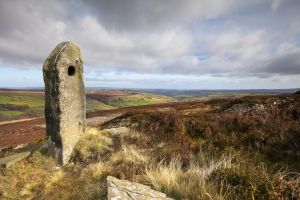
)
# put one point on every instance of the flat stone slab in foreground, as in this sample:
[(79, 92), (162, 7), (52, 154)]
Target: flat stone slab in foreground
[(10, 160), (126, 190)]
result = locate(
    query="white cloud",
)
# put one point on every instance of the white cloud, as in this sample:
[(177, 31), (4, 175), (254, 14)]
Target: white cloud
[(125, 51), (235, 45), (174, 37), (101, 47)]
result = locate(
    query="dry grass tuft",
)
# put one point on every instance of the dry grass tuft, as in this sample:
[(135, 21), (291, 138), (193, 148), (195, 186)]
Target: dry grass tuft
[(97, 171), (26, 180), (130, 154), (129, 163), (190, 182), (55, 178), (94, 144)]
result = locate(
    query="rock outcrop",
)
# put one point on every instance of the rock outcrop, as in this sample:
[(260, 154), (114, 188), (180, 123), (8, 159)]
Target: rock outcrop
[(126, 190), (244, 108), (10, 160)]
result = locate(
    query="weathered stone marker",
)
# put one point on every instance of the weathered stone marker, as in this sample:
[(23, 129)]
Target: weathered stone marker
[(65, 106)]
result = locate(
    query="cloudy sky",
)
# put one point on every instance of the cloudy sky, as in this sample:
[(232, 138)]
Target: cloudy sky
[(180, 44)]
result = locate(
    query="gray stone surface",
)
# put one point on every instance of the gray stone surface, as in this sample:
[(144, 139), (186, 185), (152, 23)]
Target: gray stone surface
[(65, 106), (126, 190), (10, 160), (96, 121)]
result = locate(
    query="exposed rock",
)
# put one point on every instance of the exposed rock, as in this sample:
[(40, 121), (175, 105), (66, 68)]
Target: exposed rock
[(10, 160), (118, 130), (126, 190), (65, 106), (21, 146), (279, 102), (244, 108), (96, 121)]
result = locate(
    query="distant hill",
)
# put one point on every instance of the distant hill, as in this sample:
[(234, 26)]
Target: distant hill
[(206, 92), (126, 98), (104, 98), (29, 103)]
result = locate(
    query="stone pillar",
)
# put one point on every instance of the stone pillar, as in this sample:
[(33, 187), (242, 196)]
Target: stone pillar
[(65, 107)]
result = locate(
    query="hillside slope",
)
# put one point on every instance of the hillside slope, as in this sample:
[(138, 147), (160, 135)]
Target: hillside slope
[(125, 98), (245, 148), (28, 104)]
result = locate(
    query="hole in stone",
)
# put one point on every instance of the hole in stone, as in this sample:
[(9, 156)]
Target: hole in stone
[(71, 70)]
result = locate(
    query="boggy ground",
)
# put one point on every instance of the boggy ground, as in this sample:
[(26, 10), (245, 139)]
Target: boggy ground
[(221, 149)]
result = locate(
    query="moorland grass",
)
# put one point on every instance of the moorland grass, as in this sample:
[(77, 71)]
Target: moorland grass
[(214, 155), (205, 175)]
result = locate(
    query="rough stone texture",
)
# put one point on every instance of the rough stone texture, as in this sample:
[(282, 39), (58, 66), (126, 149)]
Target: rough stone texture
[(10, 160), (65, 106), (245, 108), (118, 130), (97, 121), (126, 190)]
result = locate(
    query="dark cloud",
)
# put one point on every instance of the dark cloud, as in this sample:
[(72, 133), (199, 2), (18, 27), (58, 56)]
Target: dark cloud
[(133, 15), (285, 65)]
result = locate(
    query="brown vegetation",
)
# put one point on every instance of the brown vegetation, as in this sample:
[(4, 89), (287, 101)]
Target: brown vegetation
[(231, 149)]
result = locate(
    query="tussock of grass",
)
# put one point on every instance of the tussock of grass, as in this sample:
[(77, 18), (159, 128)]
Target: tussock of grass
[(29, 190), (77, 183), (26, 180), (133, 137), (93, 145), (129, 162), (190, 182), (97, 171), (130, 154), (250, 181), (55, 178)]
